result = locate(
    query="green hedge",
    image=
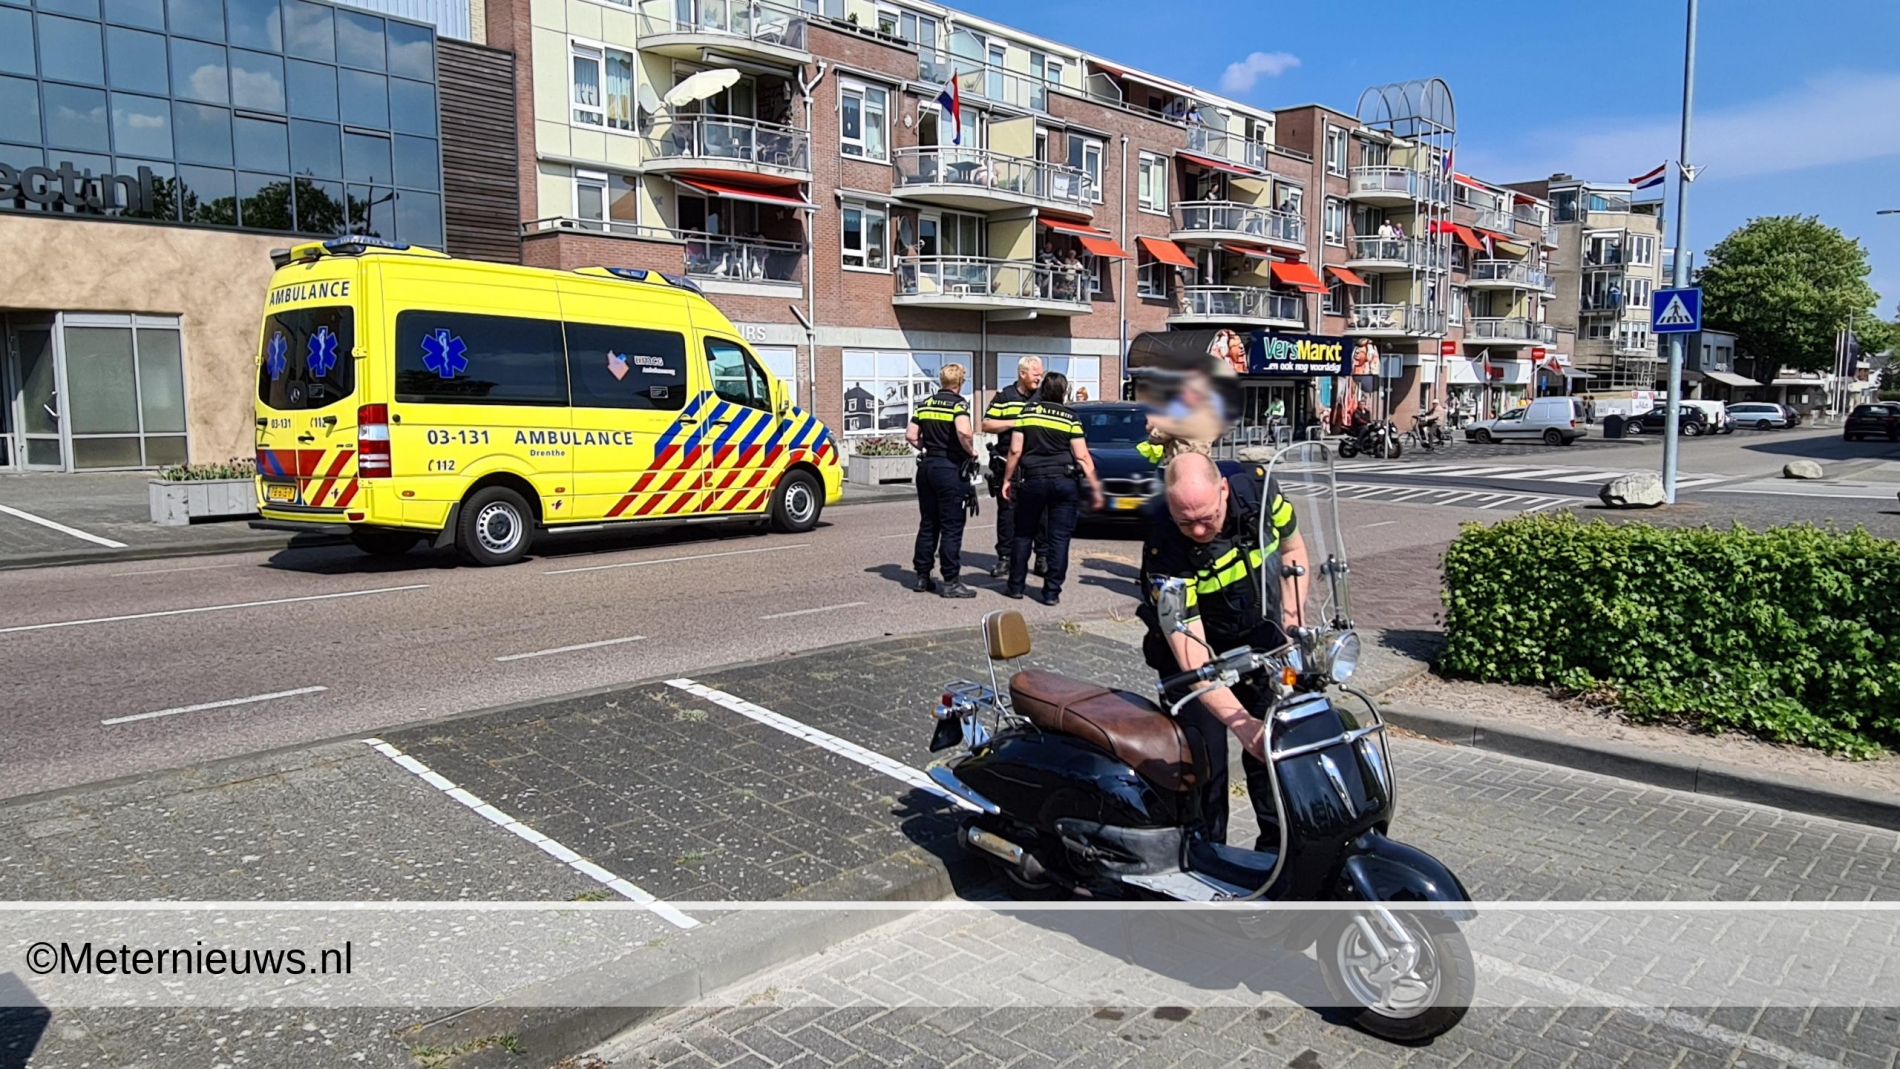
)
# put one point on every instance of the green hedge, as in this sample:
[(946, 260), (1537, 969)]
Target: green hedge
[(1792, 633)]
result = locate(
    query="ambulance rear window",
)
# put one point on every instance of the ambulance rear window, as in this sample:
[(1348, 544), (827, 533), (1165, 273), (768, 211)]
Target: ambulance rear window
[(307, 362)]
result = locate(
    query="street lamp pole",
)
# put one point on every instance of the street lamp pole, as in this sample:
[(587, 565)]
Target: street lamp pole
[(1684, 173)]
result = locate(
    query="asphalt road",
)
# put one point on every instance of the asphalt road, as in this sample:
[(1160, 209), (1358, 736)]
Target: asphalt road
[(329, 642)]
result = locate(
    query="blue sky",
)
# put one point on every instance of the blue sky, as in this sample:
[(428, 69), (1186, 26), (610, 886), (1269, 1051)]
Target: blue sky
[(1797, 105)]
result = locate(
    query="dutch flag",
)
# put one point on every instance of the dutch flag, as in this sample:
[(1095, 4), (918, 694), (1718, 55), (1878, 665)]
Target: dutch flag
[(1653, 178), (951, 101)]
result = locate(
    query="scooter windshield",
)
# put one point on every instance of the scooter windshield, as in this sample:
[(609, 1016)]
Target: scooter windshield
[(1310, 568)]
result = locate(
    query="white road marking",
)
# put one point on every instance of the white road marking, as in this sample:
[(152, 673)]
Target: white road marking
[(1796, 493), (212, 608), (1381, 523), (225, 704), (676, 560), (845, 748), (62, 528), (808, 612), (1552, 501), (541, 842), (571, 649), (1411, 494), (192, 568), (1506, 499)]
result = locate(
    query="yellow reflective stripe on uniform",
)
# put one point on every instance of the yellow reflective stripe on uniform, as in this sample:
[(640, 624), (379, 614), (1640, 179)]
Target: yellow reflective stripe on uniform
[(939, 415), (1003, 410), (1050, 423), (1282, 513), (1230, 569)]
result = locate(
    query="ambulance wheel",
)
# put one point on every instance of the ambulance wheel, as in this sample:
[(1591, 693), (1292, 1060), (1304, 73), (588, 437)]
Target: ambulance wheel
[(384, 543), (796, 503), (494, 527)]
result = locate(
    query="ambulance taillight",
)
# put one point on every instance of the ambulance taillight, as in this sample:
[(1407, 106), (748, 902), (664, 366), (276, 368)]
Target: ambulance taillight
[(372, 442)]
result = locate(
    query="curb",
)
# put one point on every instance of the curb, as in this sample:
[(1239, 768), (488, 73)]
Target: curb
[(1631, 761)]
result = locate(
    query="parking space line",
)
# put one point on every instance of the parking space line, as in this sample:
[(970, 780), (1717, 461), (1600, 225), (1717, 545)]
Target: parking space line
[(808, 612), (211, 608), (202, 706), (548, 846), (62, 528), (676, 560), (574, 648), (844, 748)]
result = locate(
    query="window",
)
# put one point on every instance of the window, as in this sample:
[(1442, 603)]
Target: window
[(920, 29), (461, 358), (736, 376), (1457, 313), (297, 371), (863, 126), (1642, 249), (1335, 150), (1098, 276), (588, 109), (1151, 277), (1152, 187), (603, 87), (1639, 292), (865, 226), (1563, 204), (1083, 372), (602, 199), (1334, 303), (1085, 154), (881, 387), (1292, 199), (626, 367), (1333, 221)]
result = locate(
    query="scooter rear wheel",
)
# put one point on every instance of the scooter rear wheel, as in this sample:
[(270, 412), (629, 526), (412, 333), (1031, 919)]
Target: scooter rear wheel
[(1427, 998)]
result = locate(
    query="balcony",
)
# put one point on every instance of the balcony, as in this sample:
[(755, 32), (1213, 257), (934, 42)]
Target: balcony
[(1492, 219), (1550, 237), (1387, 254), (722, 256), (1395, 321), (1394, 186), (983, 181), (726, 143), (1226, 147), (976, 284), (1507, 331), (1208, 221), (1239, 306), (741, 29), (978, 79), (1507, 274)]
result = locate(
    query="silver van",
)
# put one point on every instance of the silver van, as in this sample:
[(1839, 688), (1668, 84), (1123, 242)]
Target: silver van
[(1760, 415), (1552, 420)]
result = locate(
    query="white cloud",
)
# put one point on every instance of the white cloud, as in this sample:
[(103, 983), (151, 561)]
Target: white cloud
[(1240, 77), (1838, 118)]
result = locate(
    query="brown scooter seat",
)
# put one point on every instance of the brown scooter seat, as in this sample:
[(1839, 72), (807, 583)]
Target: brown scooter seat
[(1132, 728)]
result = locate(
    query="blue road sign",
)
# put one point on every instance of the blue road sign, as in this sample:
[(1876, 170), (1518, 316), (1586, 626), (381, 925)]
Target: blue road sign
[(1675, 311)]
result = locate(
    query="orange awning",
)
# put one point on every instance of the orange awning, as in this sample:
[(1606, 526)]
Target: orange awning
[(1466, 235), (1467, 180), (1065, 227), (1166, 251), (1104, 247), (754, 194), (1211, 163), (1299, 276), (1346, 276), (1258, 252)]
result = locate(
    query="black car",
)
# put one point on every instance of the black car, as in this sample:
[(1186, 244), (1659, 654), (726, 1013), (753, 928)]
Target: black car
[(1693, 421), (1881, 421), (1113, 429)]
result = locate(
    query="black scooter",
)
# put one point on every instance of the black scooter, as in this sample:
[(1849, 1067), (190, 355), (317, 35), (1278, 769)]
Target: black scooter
[(1380, 438), (1079, 786)]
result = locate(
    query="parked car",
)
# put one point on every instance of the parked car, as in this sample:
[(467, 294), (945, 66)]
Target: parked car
[(1554, 420), (1794, 418), (1717, 411), (1113, 429), (1762, 415), (1692, 421), (1878, 420)]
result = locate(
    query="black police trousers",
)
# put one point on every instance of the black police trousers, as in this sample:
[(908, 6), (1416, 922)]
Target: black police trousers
[(1006, 532), (1054, 501), (942, 496), (1215, 738)]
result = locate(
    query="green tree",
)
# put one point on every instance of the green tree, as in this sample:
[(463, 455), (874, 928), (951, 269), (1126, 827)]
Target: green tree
[(1785, 285)]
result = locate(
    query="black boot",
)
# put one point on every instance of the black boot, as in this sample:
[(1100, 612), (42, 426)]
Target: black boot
[(1000, 570), (954, 588), (924, 584), (1039, 568)]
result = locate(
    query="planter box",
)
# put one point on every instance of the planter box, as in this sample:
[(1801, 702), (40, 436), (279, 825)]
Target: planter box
[(177, 504), (875, 471)]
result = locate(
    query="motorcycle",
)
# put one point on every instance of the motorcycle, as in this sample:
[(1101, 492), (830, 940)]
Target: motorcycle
[(1380, 438), (1076, 786)]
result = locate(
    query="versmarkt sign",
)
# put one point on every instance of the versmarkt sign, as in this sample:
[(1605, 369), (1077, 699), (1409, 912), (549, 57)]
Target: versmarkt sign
[(1273, 353)]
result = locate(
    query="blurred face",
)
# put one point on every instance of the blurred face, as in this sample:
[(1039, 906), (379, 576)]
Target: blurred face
[(1029, 377), (1199, 511)]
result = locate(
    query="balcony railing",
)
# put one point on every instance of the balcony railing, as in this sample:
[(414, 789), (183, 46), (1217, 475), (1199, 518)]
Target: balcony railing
[(1222, 145), (1395, 319), (1241, 303), (747, 20), (1508, 329), (1396, 182), (1492, 219), (1248, 220), (743, 259), (979, 280), (732, 140), (1527, 213), (1514, 272), (975, 78), (1400, 252), (981, 172), (1550, 237), (1601, 302)]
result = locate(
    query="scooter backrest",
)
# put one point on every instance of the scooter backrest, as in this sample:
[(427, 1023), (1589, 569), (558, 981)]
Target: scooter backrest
[(1006, 634)]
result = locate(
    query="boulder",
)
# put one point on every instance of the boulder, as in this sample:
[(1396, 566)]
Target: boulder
[(1256, 454), (1637, 490), (1801, 469)]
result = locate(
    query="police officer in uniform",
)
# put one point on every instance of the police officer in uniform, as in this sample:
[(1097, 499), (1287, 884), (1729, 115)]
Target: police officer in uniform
[(940, 429), (1210, 537), (1041, 480), (1000, 419)]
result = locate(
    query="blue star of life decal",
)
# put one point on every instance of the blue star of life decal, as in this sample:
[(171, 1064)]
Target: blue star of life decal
[(322, 354), (444, 354), (277, 356)]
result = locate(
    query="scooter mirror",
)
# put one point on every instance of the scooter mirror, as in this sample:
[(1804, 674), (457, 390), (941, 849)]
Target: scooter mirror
[(1171, 603)]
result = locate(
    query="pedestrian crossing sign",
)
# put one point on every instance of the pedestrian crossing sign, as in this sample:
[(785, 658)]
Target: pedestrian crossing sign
[(1676, 311)]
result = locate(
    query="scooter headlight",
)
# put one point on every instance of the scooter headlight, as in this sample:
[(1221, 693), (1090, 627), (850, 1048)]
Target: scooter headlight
[(1342, 656)]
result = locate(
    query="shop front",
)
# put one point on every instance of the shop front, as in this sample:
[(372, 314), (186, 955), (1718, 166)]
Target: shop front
[(1278, 380)]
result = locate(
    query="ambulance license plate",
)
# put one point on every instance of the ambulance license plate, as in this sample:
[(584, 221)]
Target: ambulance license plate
[(281, 491)]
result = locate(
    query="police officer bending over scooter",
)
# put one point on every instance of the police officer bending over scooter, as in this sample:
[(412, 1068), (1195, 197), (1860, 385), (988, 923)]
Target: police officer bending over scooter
[(1210, 538), (940, 430)]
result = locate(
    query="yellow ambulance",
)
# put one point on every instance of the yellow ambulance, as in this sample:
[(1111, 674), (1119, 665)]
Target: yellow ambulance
[(404, 395)]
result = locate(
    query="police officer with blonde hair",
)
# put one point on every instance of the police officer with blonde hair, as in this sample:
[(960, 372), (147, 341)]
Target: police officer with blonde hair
[(941, 431)]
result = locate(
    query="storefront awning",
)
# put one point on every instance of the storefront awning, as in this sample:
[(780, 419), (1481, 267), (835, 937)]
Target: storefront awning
[(1345, 275), (1166, 251), (1095, 241), (1210, 162), (735, 191), (1299, 276), (1729, 378), (1468, 236)]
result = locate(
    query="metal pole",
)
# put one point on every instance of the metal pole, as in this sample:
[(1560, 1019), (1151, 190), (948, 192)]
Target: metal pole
[(1671, 432)]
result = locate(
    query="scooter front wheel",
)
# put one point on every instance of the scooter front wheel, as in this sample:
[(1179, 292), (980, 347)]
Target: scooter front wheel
[(1407, 985)]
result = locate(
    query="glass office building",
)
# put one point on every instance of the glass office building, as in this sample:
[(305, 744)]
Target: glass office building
[(289, 116)]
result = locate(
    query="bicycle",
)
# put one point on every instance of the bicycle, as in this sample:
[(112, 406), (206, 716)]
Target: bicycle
[(1427, 441)]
